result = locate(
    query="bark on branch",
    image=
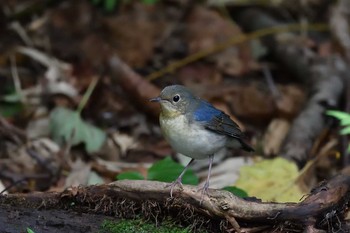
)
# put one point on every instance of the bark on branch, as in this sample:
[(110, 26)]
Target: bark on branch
[(326, 204)]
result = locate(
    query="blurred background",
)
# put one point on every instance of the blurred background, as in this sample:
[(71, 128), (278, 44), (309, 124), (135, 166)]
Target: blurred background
[(77, 76)]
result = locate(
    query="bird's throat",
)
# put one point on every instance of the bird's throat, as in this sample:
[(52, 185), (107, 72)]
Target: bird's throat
[(169, 112)]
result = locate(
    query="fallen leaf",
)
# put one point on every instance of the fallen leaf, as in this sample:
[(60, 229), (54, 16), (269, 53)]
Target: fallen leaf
[(271, 180), (39, 125), (67, 126), (226, 172), (250, 102), (291, 101), (2, 187), (167, 170), (79, 174), (133, 175), (94, 179), (124, 141), (234, 60), (274, 136)]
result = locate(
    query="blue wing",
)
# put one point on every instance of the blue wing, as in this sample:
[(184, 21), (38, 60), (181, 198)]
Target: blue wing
[(216, 120), (205, 112), (219, 122)]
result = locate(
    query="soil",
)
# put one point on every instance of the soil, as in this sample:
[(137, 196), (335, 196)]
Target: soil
[(18, 219)]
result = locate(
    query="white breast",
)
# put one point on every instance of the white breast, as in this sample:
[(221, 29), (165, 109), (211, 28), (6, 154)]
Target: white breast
[(191, 140)]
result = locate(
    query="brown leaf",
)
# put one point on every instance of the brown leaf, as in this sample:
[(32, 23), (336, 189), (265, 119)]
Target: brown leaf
[(275, 135), (134, 31), (291, 100), (206, 29), (249, 102)]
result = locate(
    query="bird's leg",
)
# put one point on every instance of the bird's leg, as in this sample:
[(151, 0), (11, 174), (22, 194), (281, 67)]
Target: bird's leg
[(206, 184), (179, 179)]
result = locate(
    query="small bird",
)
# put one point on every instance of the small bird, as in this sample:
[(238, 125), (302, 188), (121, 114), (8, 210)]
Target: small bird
[(195, 128)]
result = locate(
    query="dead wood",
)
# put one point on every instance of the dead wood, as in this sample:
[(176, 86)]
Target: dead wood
[(322, 77), (138, 89), (326, 204), (326, 77), (339, 22)]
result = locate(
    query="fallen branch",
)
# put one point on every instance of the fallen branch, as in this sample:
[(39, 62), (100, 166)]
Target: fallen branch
[(138, 89), (327, 203)]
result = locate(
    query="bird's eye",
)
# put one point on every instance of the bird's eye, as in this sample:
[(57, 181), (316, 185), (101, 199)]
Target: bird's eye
[(176, 98)]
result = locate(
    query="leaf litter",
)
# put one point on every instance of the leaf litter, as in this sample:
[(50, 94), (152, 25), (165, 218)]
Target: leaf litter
[(47, 145)]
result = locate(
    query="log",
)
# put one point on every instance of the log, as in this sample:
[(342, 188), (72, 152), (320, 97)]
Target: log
[(326, 204)]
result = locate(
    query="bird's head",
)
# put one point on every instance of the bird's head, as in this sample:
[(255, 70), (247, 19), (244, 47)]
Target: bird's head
[(175, 100)]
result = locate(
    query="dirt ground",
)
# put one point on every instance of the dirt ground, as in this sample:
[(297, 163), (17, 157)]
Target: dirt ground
[(17, 219)]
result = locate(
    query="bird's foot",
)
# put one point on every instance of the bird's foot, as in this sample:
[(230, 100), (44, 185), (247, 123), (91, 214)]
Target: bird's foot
[(204, 191), (178, 181)]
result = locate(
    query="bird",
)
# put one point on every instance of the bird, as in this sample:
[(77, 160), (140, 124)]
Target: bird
[(195, 128)]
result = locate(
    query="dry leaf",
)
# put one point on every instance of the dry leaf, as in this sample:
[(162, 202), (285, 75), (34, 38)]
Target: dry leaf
[(271, 180), (274, 136)]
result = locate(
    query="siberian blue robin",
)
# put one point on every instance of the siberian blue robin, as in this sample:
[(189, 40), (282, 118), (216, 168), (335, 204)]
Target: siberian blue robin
[(195, 128)]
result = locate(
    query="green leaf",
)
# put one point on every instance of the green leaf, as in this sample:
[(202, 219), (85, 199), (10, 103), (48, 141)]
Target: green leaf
[(30, 230), (345, 131), (349, 148), (67, 126), (342, 116), (110, 4), (10, 109), (130, 176), (149, 2), (345, 122), (11, 98), (167, 170), (236, 191)]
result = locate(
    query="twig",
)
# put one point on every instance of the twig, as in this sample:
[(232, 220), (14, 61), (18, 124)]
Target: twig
[(270, 83), (17, 27), (16, 79), (237, 39), (87, 95)]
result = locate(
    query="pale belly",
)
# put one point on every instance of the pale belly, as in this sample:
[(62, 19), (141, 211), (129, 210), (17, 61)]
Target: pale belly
[(192, 141)]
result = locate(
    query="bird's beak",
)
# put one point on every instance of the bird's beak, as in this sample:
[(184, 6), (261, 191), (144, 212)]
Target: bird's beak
[(156, 99)]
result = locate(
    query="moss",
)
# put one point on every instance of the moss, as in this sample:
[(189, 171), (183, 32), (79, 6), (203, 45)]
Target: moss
[(140, 226)]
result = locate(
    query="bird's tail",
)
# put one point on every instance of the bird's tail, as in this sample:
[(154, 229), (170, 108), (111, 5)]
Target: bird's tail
[(245, 146)]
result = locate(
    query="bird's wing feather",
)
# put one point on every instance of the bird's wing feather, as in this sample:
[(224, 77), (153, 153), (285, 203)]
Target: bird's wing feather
[(204, 111), (216, 120)]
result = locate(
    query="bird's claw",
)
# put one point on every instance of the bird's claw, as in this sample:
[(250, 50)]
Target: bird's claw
[(204, 191), (173, 184)]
